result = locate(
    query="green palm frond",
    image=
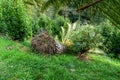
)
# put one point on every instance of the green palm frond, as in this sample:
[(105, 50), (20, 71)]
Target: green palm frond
[(109, 8)]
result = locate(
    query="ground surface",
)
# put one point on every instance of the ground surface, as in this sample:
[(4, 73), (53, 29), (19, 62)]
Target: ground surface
[(17, 62)]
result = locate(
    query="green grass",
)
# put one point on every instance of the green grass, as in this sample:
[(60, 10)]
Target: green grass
[(17, 62)]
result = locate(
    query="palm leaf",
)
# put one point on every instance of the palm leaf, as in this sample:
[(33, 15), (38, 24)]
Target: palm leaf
[(109, 8)]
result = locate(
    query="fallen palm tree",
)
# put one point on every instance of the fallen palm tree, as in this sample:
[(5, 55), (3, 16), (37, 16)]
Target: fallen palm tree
[(44, 43)]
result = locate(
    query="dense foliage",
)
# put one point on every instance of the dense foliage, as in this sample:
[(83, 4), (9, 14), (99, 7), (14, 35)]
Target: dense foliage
[(111, 36), (15, 21), (52, 26), (2, 22)]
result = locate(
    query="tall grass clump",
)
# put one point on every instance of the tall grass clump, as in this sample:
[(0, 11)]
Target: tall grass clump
[(15, 19)]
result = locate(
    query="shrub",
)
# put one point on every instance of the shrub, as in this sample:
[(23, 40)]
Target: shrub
[(16, 19), (82, 39), (111, 37), (52, 26)]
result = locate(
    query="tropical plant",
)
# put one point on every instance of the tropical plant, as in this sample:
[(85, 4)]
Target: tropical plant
[(86, 38), (81, 38), (67, 32), (45, 43)]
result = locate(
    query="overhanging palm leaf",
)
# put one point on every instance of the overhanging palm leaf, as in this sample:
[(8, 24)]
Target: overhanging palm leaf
[(109, 8)]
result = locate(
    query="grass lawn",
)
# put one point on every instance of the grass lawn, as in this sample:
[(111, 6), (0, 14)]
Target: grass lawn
[(17, 62)]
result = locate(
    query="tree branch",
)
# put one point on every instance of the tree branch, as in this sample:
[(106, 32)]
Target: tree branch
[(89, 5)]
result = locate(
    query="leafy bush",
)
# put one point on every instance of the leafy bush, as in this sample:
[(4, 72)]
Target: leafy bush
[(16, 19), (82, 38), (52, 26), (111, 37)]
